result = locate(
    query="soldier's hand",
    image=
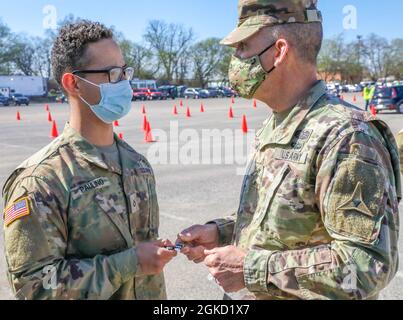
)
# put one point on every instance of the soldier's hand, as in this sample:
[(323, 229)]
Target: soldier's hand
[(197, 239), (226, 265), (153, 257)]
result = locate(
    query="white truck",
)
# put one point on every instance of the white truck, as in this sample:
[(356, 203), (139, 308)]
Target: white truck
[(25, 85)]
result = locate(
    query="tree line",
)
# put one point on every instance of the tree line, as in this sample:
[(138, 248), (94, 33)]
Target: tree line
[(372, 57), (168, 53), (171, 54)]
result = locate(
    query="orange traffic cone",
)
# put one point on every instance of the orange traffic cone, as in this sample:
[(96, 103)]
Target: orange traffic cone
[(188, 113), (121, 136), (175, 111), (233, 99), (18, 116), (181, 103), (202, 108), (47, 107), (145, 123), (244, 125), (54, 133), (143, 110), (50, 119), (148, 138), (254, 103), (355, 99), (231, 113), (373, 111), (116, 123)]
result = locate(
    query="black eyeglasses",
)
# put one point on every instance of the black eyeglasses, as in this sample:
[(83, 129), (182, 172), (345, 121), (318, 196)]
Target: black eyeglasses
[(115, 74)]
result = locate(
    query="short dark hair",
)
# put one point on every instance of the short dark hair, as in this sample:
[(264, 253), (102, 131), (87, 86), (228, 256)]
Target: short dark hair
[(69, 48), (306, 38)]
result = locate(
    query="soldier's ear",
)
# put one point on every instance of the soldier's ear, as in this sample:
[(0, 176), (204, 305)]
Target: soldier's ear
[(282, 48), (69, 84)]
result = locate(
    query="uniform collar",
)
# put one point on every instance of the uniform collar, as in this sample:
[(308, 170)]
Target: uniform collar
[(90, 153), (283, 134)]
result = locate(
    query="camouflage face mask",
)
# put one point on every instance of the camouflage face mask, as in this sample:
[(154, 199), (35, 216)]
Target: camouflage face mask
[(247, 75)]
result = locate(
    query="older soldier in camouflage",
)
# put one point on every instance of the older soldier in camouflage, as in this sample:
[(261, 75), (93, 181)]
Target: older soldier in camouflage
[(80, 223), (318, 215)]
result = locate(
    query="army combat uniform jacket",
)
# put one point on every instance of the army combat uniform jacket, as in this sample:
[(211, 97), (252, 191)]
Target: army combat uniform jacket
[(318, 213), (72, 223)]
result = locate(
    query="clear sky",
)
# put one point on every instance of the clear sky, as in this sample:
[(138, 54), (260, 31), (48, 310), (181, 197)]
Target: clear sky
[(208, 18)]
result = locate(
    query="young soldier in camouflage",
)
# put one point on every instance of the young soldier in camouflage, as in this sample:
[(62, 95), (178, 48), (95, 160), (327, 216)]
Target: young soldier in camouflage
[(82, 217), (318, 215)]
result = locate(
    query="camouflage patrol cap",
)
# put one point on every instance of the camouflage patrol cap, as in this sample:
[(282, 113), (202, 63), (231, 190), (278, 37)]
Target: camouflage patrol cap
[(254, 15)]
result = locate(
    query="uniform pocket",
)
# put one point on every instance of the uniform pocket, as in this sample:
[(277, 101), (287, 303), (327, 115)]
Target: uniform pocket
[(263, 211)]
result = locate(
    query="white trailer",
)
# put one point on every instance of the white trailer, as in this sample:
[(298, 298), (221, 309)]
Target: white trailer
[(26, 85), (144, 84)]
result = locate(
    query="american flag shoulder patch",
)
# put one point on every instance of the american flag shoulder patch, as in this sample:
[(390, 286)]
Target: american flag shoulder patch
[(16, 211)]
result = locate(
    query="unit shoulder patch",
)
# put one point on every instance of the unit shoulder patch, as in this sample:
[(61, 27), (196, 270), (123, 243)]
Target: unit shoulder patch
[(356, 202)]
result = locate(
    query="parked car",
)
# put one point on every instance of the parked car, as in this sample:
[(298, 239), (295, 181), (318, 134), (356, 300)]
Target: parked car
[(215, 93), (153, 94), (388, 98), (228, 93), (171, 92), (350, 88), (61, 98), (181, 91), (139, 95), (20, 99), (196, 93), (358, 88), (4, 101), (204, 92)]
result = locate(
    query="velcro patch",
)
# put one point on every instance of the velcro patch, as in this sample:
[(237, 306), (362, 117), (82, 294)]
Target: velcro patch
[(16, 211), (354, 204)]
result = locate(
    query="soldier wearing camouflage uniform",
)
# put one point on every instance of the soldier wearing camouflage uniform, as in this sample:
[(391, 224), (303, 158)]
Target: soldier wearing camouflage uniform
[(81, 216), (318, 215)]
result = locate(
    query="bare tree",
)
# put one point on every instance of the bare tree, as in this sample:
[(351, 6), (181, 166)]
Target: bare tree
[(42, 60), (23, 53), (139, 57), (331, 57), (169, 43), (379, 58), (5, 53), (206, 57), (397, 58)]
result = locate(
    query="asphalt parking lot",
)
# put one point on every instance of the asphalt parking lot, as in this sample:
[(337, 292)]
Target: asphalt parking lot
[(188, 193)]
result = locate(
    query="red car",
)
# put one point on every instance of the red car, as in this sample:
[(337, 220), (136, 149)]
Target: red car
[(153, 94), (139, 95)]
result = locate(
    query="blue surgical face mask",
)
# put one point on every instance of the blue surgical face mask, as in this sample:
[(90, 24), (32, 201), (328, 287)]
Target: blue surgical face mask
[(116, 100)]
